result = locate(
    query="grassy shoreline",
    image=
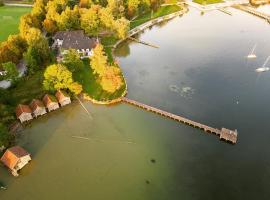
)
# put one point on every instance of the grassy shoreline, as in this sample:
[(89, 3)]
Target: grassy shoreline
[(162, 11)]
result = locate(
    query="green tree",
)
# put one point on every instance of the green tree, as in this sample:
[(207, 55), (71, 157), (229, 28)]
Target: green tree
[(57, 76), (1, 3), (12, 71), (38, 54), (5, 137), (72, 60)]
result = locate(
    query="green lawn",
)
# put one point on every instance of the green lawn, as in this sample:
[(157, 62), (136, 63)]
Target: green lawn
[(90, 84), (28, 88), (9, 20), (205, 2), (164, 10)]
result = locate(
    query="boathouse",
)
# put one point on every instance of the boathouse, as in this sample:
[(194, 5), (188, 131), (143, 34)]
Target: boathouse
[(62, 98), (38, 108), (50, 102), (24, 113), (15, 158)]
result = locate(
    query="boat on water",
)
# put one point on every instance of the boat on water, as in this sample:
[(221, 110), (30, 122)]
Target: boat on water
[(252, 54), (2, 186), (263, 68)]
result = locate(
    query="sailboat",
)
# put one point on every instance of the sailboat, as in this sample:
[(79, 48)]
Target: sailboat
[(252, 54), (263, 68)]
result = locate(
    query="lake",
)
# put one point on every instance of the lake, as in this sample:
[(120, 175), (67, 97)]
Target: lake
[(200, 72)]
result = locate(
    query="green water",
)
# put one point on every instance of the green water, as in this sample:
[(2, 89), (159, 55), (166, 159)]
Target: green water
[(199, 71)]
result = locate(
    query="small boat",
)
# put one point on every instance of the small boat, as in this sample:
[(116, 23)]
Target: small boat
[(2, 186), (263, 68), (252, 54)]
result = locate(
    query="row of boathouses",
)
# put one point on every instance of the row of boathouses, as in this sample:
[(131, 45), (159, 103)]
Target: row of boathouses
[(37, 107)]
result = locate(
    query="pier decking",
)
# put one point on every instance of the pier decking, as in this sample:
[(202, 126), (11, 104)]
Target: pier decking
[(224, 134)]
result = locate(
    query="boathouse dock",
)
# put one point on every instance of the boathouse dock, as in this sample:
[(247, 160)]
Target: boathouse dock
[(223, 134)]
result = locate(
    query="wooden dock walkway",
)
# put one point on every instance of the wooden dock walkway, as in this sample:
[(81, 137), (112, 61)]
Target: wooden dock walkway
[(254, 12), (224, 134), (142, 42)]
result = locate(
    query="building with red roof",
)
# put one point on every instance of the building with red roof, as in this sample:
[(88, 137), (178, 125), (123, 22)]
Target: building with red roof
[(50, 102), (24, 113), (38, 108), (62, 98), (15, 158)]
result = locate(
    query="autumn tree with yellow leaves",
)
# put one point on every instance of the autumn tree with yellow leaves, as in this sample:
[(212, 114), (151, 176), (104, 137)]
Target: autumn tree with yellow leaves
[(109, 75), (57, 76)]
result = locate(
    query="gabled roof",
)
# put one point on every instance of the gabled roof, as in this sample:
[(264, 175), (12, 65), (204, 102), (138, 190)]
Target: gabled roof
[(35, 104), (22, 109), (48, 99), (75, 40), (13, 155), (61, 95)]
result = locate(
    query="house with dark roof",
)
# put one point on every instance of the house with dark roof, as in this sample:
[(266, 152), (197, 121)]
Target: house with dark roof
[(50, 102), (38, 108), (65, 40), (15, 158), (62, 98), (24, 113)]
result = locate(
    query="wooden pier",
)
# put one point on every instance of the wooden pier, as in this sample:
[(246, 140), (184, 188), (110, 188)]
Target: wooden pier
[(142, 42), (224, 134), (253, 12)]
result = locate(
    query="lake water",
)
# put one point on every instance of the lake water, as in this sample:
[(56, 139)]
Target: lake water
[(200, 72)]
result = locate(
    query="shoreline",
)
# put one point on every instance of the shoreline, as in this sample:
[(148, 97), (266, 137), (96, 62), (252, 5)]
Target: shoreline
[(132, 32)]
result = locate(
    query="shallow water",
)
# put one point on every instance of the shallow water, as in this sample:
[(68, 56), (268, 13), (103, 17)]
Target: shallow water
[(203, 52)]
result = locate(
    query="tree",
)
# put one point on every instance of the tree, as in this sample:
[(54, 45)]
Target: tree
[(11, 71), (38, 10), (121, 27), (132, 7), (72, 60), (57, 76), (1, 3), (49, 25), (85, 3), (12, 49), (69, 19), (5, 137), (111, 80), (75, 88), (90, 22), (38, 54), (99, 60)]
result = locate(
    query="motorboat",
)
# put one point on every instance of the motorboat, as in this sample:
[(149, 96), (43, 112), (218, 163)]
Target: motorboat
[(262, 69)]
